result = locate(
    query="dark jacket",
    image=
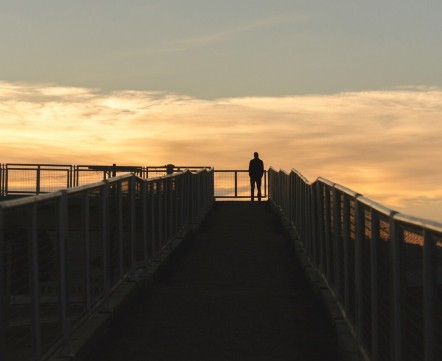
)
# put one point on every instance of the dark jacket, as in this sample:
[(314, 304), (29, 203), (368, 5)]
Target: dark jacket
[(256, 168)]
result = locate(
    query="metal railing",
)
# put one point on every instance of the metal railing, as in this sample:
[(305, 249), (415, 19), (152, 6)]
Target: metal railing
[(235, 184), (384, 268), (31, 179), (63, 253)]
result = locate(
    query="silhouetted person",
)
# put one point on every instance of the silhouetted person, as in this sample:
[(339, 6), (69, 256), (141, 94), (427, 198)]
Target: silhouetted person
[(256, 171)]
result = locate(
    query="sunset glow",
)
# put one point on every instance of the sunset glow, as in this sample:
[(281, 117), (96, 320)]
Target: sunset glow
[(383, 144)]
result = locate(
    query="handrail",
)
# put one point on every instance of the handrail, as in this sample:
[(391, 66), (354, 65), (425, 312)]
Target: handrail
[(384, 268)]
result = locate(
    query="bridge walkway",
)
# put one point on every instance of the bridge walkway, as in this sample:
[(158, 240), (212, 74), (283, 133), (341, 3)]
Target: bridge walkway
[(235, 291)]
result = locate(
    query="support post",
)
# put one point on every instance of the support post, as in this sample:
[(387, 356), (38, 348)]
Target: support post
[(105, 240), (430, 286), (4, 299), (396, 238), (63, 291), (87, 252), (374, 265), (34, 283)]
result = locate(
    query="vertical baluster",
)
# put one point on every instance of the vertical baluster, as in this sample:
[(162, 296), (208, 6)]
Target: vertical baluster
[(430, 287), (34, 283), (374, 264), (63, 229), (396, 239), (4, 301)]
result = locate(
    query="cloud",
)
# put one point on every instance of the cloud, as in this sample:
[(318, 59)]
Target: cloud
[(201, 40), (384, 144)]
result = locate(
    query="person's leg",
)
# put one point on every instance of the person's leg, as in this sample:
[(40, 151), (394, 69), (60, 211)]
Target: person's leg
[(258, 185), (252, 189)]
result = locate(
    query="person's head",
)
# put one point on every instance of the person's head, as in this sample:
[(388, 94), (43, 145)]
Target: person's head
[(256, 155)]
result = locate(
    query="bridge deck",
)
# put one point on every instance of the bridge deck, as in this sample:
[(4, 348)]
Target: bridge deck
[(236, 292)]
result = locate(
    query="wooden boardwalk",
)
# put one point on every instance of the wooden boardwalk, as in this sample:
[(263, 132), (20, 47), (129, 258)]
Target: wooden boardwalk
[(234, 291)]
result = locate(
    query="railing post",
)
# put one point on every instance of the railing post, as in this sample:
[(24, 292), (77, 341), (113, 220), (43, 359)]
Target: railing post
[(265, 184), (105, 240), (160, 213), (171, 207), (359, 239), (337, 242), (6, 180), (69, 177), (182, 199), (132, 211), (430, 286), (166, 210), (396, 239), (320, 226), (4, 302), (38, 181), (374, 265), (2, 184), (145, 222), (87, 251), (77, 175), (34, 284), (312, 230), (153, 223), (327, 231), (236, 184), (176, 205), (292, 211), (63, 291), (347, 271), (120, 227)]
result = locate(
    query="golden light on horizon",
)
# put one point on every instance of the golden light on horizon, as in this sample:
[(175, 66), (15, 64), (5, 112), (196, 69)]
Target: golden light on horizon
[(384, 144)]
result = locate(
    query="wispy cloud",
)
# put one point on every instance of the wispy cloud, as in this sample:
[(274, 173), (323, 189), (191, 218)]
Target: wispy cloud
[(384, 144), (200, 40)]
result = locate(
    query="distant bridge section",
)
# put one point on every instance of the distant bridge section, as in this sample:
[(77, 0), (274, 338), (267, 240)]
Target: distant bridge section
[(34, 179)]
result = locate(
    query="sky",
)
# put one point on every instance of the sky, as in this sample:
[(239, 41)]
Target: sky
[(349, 90)]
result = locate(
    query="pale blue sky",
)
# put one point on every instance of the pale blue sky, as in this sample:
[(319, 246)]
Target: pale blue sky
[(228, 48)]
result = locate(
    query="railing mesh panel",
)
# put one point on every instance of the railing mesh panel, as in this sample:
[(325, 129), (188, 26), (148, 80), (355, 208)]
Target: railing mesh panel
[(366, 256), (96, 245), (351, 246), (340, 257), (76, 256), (438, 297), (18, 309), (412, 248), (114, 244), (52, 180), (48, 272), (385, 285), (22, 181)]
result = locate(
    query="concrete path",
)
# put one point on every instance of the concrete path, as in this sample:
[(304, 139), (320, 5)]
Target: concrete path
[(234, 292)]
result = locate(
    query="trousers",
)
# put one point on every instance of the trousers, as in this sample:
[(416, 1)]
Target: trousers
[(254, 181)]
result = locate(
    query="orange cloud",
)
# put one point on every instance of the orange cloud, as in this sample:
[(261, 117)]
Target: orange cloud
[(384, 144)]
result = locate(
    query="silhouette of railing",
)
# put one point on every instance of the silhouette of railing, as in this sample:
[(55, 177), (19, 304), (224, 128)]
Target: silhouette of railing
[(384, 268), (63, 253), (31, 179)]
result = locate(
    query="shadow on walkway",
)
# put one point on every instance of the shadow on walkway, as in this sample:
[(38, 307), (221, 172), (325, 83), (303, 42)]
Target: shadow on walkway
[(235, 291)]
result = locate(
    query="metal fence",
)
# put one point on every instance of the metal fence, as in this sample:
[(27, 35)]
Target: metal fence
[(236, 184), (31, 179), (63, 253), (384, 268)]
